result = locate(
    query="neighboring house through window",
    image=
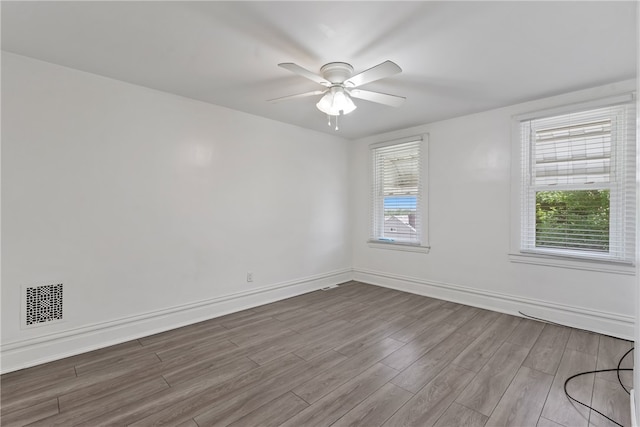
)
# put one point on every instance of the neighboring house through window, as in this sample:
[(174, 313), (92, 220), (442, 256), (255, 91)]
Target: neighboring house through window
[(578, 183)]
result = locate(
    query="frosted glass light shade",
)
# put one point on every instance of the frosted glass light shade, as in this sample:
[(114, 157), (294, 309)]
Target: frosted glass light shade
[(336, 101)]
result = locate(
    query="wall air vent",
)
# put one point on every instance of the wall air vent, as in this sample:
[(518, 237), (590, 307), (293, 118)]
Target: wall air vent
[(43, 304)]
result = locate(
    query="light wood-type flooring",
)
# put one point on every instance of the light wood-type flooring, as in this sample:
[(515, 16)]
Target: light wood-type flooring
[(356, 355)]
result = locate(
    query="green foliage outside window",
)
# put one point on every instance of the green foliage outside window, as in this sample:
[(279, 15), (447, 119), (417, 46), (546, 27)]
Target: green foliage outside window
[(577, 219)]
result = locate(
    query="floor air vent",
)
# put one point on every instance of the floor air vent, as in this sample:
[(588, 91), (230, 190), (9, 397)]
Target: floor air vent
[(329, 287), (43, 304)]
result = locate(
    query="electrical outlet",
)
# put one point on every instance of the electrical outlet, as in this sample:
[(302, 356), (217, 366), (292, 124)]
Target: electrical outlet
[(249, 277)]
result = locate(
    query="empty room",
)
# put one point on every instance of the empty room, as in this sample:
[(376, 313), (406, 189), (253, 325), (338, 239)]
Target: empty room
[(321, 213)]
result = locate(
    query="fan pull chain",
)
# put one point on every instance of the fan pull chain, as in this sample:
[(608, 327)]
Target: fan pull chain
[(329, 121)]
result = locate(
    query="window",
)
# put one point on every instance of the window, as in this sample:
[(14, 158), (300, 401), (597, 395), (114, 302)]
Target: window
[(397, 190), (578, 184)]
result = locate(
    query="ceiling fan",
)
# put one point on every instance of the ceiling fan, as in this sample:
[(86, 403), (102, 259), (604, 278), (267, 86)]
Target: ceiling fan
[(340, 86)]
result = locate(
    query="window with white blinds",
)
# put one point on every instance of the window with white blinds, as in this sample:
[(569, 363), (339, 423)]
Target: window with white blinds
[(397, 216), (578, 193)]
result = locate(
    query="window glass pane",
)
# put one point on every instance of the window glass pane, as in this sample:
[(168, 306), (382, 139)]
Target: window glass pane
[(578, 183), (400, 218), (396, 215), (577, 219), (575, 154)]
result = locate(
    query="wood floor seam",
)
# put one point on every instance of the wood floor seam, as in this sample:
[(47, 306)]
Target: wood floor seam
[(494, 408), (549, 391), (453, 402), (292, 391), (408, 391)]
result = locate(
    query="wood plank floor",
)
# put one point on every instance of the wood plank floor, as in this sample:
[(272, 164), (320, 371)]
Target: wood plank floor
[(356, 355)]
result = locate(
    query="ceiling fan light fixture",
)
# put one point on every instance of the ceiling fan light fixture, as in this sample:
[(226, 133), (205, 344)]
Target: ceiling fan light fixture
[(336, 78), (335, 102)]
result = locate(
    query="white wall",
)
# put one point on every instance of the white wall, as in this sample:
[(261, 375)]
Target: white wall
[(469, 208), (151, 209)]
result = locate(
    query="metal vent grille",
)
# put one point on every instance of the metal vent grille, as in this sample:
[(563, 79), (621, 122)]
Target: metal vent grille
[(43, 304)]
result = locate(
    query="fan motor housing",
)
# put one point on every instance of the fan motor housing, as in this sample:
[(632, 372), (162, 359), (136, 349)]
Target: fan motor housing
[(336, 72)]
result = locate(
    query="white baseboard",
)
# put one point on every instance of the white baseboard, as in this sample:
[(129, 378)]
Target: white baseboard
[(597, 321), (26, 353)]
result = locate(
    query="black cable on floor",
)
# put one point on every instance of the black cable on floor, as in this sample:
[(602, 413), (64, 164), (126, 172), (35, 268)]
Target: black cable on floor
[(620, 363), (617, 370), (566, 326)]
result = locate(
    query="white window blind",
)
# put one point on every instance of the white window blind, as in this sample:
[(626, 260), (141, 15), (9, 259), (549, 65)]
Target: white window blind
[(578, 194), (396, 209)]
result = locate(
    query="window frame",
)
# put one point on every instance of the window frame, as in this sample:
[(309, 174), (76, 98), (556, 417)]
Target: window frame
[(568, 258), (422, 246)]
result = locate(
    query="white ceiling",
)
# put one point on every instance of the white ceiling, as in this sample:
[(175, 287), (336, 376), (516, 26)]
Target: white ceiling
[(457, 57)]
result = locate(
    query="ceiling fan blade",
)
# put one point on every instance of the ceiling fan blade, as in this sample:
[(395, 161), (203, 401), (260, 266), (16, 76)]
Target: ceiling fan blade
[(380, 71), (295, 68), (300, 95), (380, 98)]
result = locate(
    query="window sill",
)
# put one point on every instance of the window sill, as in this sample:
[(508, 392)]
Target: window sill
[(573, 263), (406, 247)]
